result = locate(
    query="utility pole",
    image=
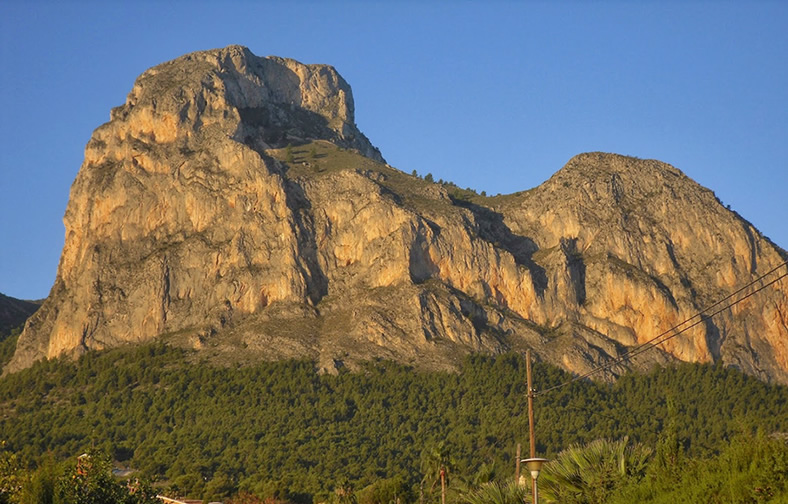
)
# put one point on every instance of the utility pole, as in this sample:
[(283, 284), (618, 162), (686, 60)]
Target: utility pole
[(532, 437), (517, 466), (533, 463)]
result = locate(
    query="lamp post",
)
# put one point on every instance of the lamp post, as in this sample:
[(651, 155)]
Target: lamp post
[(534, 465)]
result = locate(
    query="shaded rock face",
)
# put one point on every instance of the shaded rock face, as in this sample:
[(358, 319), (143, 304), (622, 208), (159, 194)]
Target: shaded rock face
[(190, 221)]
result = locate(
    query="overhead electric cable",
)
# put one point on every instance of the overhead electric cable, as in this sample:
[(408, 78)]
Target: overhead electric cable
[(666, 335), (703, 318), (703, 311)]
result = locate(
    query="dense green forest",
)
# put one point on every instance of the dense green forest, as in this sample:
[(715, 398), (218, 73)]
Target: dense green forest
[(278, 429), (8, 345)]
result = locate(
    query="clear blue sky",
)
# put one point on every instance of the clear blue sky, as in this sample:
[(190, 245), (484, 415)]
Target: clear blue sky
[(496, 96)]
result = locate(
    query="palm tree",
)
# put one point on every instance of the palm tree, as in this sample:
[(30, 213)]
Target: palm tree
[(436, 463), (344, 493), (590, 473), (497, 493)]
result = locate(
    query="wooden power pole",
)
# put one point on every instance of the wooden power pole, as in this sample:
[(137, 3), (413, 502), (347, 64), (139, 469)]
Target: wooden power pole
[(532, 437), (533, 463)]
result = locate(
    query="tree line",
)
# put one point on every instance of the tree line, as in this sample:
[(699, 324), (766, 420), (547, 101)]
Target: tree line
[(280, 430)]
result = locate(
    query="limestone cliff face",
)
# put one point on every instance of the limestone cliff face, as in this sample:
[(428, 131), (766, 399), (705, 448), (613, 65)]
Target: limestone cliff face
[(190, 220), (175, 220)]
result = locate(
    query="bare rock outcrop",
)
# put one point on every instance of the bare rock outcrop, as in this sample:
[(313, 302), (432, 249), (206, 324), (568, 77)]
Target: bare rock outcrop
[(648, 248), (192, 219)]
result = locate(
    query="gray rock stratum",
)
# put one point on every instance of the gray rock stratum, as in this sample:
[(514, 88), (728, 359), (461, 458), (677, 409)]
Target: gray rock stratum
[(191, 220)]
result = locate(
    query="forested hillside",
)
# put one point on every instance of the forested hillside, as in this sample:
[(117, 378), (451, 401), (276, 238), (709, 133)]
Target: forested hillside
[(13, 313), (280, 429)]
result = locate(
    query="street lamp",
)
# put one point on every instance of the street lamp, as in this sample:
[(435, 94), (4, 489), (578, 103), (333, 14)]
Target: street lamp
[(534, 465)]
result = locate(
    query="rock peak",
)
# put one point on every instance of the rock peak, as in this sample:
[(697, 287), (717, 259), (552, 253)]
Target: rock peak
[(610, 162), (264, 102)]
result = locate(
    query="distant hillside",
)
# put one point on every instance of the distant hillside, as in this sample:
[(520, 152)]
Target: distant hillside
[(14, 312)]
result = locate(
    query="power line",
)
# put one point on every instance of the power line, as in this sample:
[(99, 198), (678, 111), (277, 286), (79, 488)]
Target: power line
[(702, 312), (666, 335), (705, 317)]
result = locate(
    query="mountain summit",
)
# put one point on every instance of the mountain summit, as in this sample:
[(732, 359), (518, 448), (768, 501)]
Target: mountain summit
[(232, 205)]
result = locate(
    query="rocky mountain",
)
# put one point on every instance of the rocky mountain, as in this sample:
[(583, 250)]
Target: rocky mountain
[(233, 205)]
